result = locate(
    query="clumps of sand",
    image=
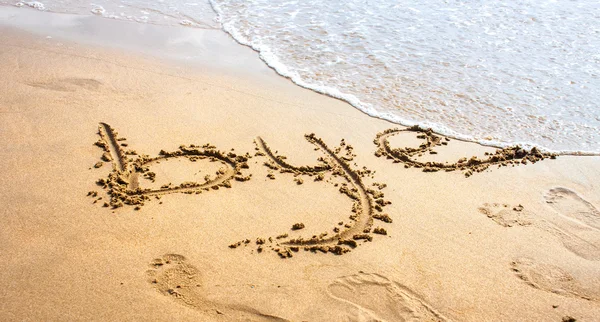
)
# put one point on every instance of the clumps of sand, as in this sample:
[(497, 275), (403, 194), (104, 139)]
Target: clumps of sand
[(122, 182), (366, 202), (94, 194), (298, 226), (380, 231), (502, 157), (383, 217)]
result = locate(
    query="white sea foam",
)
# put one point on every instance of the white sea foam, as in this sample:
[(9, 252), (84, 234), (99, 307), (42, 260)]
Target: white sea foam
[(33, 4), (98, 10), (497, 73), (167, 12)]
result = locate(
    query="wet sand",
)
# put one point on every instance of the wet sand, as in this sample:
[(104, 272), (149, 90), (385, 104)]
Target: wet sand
[(142, 186)]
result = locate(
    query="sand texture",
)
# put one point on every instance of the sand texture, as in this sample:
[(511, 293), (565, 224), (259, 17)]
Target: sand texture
[(141, 189)]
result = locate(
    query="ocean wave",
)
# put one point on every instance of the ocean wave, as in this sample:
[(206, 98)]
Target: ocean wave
[(467, 93)]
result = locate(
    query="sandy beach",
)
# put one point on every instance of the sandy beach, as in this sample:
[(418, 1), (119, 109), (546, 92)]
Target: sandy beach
[(141, 183)]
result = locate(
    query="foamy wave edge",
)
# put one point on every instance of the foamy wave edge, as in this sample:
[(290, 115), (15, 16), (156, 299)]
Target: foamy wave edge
[(267, 56)]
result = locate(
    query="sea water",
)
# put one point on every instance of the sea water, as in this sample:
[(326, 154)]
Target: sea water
[(500, 73)]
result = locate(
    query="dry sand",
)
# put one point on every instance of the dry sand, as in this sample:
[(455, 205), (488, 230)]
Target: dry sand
[(510, 243)]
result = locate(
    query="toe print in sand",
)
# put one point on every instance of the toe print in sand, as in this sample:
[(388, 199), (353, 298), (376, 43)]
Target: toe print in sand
[(357, 228), (123, 182), (502, 157)]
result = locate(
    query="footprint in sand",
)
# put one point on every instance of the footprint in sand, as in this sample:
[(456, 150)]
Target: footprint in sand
[(571, 206), (575, 222), (551, 278), (172, 276), (380, 299), (505, 215)]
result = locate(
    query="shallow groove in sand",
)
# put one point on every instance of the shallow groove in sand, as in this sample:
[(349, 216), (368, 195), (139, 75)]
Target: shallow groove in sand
[(108, 135)]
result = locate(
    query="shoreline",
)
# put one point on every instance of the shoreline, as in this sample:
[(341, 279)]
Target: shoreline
[(224, 42), (506, 243), (355, 102)]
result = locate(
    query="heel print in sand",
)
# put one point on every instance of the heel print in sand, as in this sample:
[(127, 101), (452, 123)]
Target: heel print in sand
[(379, 299), (502, 157), (367, 204), (123, 185), (174, 277)]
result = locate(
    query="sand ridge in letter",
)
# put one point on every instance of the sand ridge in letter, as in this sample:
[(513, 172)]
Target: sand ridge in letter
[(502, 157), (122, 183), (367, 203), (381, 299)]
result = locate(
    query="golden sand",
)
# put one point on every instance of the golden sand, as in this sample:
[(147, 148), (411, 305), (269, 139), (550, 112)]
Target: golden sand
[(229, 197)]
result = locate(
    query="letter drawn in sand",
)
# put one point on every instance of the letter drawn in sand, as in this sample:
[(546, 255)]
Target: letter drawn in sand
[(367, 203), (122, 183), (511, 155)]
